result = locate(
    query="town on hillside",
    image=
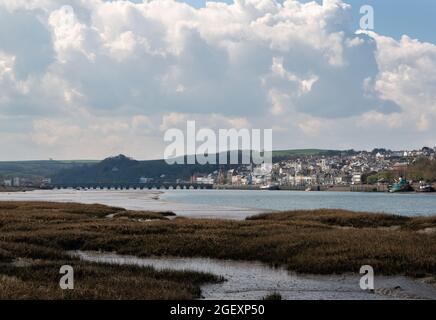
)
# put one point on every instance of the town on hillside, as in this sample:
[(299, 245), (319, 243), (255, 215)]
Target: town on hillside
[(338, 171), (310, 170)]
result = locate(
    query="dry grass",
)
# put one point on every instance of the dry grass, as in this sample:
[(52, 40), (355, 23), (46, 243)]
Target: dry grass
[(273, 296), (335, 217), (321, 241), (143, 215), (29, 263), (15, 189), (92, 281)]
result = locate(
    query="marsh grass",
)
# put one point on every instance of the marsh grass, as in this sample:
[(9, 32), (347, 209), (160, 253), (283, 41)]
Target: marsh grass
[(143, 215), (320, 242), (34, 237), (97, 281), (273, 296)]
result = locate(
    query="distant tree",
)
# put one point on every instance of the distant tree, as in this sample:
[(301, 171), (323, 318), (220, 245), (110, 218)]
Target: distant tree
[(427, 150), (378, 150), (422, 169), (373, 179), (388, 175), (365, 176)]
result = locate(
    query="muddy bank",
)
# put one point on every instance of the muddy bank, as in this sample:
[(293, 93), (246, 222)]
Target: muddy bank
[(149, 200), (253, 280)]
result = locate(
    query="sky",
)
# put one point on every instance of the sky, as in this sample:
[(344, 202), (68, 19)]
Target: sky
[(91, 79), (394, 17)]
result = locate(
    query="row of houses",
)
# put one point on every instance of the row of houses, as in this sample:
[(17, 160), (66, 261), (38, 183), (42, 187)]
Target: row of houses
[(14, 182), (24, 182), (337, 169)]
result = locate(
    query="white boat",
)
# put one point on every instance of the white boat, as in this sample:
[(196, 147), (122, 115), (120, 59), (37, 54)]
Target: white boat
[(270, 187), (425, 188)]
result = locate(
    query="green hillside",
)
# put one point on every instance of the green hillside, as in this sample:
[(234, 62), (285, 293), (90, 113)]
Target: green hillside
[(123, 169), (303, 153), (39, 168)]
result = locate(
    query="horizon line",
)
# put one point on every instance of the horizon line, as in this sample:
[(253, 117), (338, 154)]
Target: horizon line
[(216, 153)]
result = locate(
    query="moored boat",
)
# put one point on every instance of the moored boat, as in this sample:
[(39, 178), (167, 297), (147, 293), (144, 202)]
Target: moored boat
[(270, 187), (401, 186), (425, 188)]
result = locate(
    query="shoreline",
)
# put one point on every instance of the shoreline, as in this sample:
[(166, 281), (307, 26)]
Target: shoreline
[(149, 200), (236, 204), (363, 188), (289, 285)]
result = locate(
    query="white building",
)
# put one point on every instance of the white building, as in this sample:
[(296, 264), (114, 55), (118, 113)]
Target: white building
[(339, 180), (16, 182), (145, 180), (7, 183), (258, 180), (204, 180), (356, 179)]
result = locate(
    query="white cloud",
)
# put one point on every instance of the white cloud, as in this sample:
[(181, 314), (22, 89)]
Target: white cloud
[(123, 70), (99, 137), (310, 127), (407, 76), (372, 118), (6, 65), (68, 33), (53, 133), (7, 77), (172, 120)]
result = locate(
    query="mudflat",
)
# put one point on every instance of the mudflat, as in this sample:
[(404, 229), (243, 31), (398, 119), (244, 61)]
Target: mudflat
[(37, 236)]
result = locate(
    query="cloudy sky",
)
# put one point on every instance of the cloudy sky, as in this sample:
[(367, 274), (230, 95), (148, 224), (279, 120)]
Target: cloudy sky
[(86, 79)]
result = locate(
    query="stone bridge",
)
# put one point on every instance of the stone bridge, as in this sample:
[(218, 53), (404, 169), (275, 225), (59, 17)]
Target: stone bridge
[(132, 186)]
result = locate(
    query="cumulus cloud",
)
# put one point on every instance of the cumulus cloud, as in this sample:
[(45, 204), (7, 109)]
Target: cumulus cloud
[(97, 136), (114, 69), (68, 34), (407, 76)]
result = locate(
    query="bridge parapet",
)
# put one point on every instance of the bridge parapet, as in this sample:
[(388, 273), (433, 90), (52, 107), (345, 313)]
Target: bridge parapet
[(133, 186)]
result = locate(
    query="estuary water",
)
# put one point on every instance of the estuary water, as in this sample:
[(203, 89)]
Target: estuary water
[(237, 204), (254, 280), (410, 204)]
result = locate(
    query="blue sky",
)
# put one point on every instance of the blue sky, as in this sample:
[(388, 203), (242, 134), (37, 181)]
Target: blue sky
[(416, 18)]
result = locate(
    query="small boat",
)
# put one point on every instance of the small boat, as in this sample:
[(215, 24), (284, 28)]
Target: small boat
[(425, 188), (46, 187), (401, 186), (270, 187)]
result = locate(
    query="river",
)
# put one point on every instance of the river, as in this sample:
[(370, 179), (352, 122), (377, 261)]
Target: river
[(255, 280), (237, 204)]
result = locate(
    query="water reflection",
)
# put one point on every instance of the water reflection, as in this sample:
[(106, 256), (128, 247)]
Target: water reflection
[(253, 281)]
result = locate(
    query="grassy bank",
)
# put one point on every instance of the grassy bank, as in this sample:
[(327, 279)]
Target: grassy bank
[(16, 189), (29, 264), (321, 241)]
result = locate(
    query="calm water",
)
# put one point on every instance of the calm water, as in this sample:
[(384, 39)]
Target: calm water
[(401, 204), (237, 204)]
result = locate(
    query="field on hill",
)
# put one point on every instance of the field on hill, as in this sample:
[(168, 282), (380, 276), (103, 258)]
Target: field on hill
[(303, 153), (42, 168)]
